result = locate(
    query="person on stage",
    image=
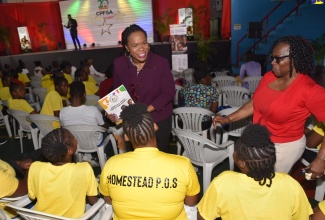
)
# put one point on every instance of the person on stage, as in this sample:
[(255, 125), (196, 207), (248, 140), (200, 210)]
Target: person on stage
[(72, 25)]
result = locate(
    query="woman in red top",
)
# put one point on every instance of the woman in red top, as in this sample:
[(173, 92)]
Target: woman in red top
[(284, 99)]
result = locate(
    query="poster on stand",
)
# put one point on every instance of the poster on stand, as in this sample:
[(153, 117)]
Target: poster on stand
[(24, 38), (178, 38), (179, 62), (185, 16)]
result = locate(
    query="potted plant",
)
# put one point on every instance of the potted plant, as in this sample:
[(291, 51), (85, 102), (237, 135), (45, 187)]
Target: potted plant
[(162, 24), (5, 36), (318, 45)]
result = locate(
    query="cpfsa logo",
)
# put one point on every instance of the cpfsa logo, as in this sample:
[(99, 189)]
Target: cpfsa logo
[(103, 4), (317, 2)]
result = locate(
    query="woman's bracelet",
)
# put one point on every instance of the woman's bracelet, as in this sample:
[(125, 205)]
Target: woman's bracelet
[(321, 157)]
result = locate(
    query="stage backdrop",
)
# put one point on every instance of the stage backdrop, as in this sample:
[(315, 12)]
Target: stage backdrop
[(102, 21)]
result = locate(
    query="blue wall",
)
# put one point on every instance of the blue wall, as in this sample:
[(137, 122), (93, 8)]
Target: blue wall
[(310, 22)]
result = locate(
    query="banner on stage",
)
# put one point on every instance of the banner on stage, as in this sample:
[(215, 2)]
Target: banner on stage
[(101, 22), (185, 16), (178, 38), (24, 38), (179, 62)]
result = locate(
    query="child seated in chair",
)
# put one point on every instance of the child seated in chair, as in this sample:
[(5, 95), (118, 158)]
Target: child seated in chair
[(82, 76), (258, 192), (18, 102), (53, 102), (61, 186)]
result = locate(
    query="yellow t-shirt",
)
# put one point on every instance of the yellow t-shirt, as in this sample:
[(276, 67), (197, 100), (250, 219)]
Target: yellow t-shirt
[(61, 190), (9, 185), (319, 129), (52, 103), (91, 79), (52, 88), (321, 206), (5, 93), (233, 195), (24, 78), (91, 88), (47, 81), (68, 77), (20, 104), (1, 85), (148, 184)]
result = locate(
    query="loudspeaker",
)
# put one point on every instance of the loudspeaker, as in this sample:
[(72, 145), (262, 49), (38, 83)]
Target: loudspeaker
[(255, 29), (215, 8)]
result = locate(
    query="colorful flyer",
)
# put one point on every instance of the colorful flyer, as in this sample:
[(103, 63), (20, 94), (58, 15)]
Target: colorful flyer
[(115, 101)]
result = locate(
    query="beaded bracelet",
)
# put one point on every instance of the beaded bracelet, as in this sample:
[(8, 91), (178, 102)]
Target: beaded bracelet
[(321, 157)]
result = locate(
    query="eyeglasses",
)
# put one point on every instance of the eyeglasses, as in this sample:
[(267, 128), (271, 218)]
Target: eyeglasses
[(277, 59)]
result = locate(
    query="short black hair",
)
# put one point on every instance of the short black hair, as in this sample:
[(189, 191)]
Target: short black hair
[(138, 124), (13, 87), (59, 80), (77, 89), (129, 30), (300, 53), (256, 149), (78, 73), (55, 145), (200, 71)]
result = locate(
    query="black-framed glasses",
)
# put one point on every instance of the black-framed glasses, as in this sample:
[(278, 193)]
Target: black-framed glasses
[(277, 59)]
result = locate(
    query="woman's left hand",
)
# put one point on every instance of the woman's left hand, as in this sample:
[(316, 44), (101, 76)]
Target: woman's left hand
[(317, 168)]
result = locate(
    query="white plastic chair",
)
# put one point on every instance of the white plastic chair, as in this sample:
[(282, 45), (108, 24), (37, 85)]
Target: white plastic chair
[(175, 74), (6, 122), (85, 135), (24, 126), (204, 153), (40, 93), (20, 201), (252, 82), (188, 75), (92, 100), (35, 81), (95, 210), (235, 129), (99, 79), (112, 130), (222, 81), (44, 123), (192, 119), (320, 182), (178, 89), (234, 96)]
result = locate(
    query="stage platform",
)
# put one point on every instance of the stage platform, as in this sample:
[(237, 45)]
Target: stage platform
[(104, 56)]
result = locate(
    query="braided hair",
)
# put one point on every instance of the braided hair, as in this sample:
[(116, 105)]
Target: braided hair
[(256, 149), (300, 54), (55, 145), (138, 124), (128, 31)]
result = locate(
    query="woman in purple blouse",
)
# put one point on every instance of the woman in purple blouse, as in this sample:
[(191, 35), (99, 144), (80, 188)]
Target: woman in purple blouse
[(148, 79)]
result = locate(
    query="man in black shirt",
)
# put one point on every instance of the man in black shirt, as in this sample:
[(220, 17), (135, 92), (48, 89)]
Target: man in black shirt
[(72, 25)]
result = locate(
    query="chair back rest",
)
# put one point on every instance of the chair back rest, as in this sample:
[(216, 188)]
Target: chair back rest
[(85, 135), (92, 100), (176, 74), (21, 117), (188, 75), (234, 95), (43, 122), (237, 124), (40, 92), (191, 117), (222, 81), (252, 82), (35, 82), (220, 73), (178, 88)]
